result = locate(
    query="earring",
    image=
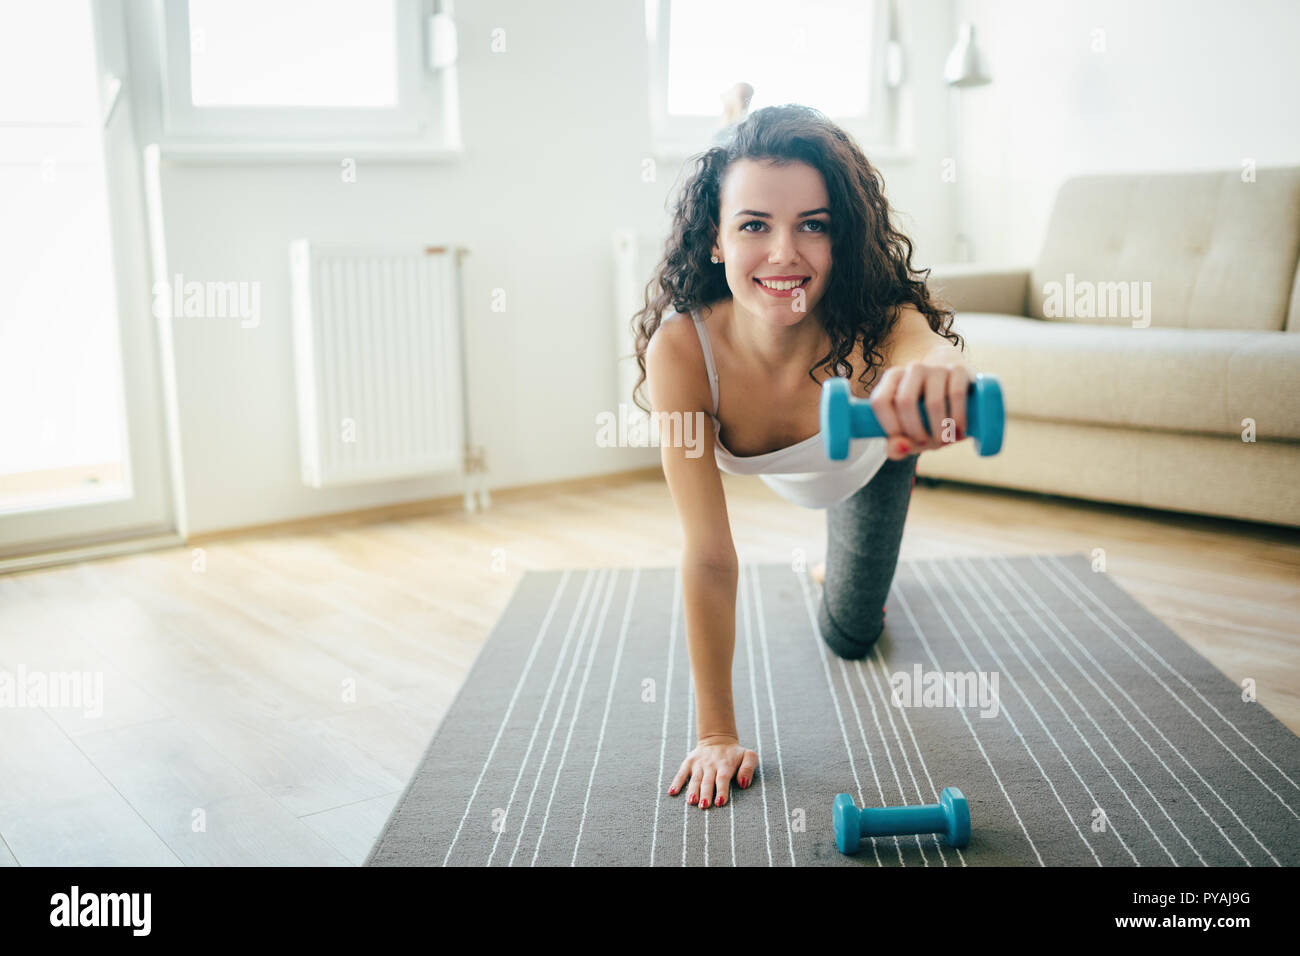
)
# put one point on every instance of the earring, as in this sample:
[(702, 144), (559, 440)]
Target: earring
[(714, 259)]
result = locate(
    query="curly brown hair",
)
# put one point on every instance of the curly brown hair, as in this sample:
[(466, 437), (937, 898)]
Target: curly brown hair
[(872, 270)]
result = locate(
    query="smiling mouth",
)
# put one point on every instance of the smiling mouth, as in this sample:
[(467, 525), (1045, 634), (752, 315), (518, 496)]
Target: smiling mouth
[(785, 285)]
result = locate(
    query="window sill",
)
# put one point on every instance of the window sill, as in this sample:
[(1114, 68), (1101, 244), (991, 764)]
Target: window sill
[(252, 152)]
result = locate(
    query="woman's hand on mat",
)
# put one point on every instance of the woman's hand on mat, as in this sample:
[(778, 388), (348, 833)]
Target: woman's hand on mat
[(710, 768), (902, 388)]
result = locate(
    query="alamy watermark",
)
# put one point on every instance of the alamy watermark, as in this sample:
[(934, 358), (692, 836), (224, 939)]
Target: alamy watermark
[(209, 300), (53, 689), (1085, 299), (130, 910), (946, 689), (633, 428)]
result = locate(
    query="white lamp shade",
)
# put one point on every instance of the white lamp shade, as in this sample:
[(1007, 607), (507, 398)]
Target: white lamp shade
[(965, 64)]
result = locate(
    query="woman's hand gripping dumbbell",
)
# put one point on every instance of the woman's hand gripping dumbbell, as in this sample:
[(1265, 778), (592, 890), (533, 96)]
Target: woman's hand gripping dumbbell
[(976, 411)]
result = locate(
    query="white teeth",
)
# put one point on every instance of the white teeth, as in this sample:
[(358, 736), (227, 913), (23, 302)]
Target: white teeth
[(781, 286)]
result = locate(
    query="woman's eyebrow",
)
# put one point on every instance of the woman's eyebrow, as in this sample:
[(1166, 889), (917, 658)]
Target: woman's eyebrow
[(768, 215)]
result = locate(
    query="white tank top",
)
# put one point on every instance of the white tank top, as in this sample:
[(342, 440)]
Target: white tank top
[(801, 473)]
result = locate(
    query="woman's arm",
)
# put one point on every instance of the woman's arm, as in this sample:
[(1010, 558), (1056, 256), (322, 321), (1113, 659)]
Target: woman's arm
[(709, 592), (676, 381), (912, 340)]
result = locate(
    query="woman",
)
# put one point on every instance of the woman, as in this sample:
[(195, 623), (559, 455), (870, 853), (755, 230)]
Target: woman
[(783, 268)]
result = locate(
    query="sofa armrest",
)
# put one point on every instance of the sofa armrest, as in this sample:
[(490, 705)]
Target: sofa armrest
[(971, 287)]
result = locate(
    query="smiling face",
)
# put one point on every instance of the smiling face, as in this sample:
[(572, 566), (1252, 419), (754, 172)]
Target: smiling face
[(774, 225)]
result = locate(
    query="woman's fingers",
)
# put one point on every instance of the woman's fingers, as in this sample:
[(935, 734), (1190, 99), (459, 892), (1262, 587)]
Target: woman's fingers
[(721, 789), (682, 774), (896, 402), (897, 412), (745, 775), (706, 789), (907, 398), (935, 396), (882, 401), (711, 786)]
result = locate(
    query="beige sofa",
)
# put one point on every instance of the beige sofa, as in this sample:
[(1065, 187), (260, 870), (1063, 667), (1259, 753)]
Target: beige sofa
[(1149, 396)]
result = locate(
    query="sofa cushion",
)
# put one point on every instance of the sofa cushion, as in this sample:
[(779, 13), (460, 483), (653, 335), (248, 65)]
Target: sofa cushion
[(1197, 380), (980, 288), (1217, 252)]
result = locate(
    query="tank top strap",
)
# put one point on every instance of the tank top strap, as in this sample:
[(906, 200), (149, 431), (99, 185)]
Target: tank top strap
[(702, 331)]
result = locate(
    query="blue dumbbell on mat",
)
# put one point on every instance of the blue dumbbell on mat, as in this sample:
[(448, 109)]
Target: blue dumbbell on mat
[(950, 816), (844, 417)]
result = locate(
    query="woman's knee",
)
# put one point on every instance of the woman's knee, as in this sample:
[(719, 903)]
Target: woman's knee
[(850, 644)]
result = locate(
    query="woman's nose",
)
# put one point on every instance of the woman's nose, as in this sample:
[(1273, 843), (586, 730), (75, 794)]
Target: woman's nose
[(783, 248)]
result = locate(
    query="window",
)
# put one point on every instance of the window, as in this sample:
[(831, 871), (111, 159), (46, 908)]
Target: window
[(61, 381), (828, 54), (339, 53), (282, 71)]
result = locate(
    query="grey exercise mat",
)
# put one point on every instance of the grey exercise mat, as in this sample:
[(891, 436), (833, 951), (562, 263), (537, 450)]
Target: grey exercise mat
[(1112, 742)]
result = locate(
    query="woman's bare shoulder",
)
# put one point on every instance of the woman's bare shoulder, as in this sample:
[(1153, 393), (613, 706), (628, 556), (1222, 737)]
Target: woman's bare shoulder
[(675, 360), (672, 334)]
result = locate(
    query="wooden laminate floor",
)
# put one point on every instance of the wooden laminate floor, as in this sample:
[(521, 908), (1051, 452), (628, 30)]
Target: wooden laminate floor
[(267, 695)]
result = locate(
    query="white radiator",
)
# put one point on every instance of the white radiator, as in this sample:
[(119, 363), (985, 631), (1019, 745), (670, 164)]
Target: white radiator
[(379, 360)]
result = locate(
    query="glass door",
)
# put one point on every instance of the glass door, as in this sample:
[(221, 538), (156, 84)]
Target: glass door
[(82, 436)]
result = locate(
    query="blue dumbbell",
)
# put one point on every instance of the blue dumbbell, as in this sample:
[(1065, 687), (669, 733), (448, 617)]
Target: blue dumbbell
[(950, 816), (844, 417)]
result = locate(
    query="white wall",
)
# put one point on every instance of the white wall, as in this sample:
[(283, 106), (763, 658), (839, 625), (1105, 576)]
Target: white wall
[(555, 131), (1180, 86)]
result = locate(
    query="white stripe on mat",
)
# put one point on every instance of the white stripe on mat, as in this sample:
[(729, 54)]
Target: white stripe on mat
[(690, 745), (753, 696), (602, 576), (1006, 712), (776, 729), (1152, 651), (870, 698), (583, 598), (816, 633), (668, 693), (514, 697), (874, 658), (907, 609), (967, 575), (1028, 589), (609, 697), (1154, 726), (577, 708)]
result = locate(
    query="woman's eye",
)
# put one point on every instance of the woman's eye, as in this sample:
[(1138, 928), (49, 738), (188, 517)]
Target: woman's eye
[(821, 226)]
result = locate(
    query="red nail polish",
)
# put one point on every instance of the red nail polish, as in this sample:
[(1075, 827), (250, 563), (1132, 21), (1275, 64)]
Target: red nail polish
[(744, 782), (704, 804), (672, 791), (721, 800), (692, 800)]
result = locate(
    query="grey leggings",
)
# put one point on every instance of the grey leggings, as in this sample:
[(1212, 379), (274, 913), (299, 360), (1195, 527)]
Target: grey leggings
[(863, 535)]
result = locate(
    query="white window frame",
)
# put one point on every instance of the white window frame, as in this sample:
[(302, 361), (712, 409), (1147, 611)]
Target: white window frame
[(677, 136), (419, 92), (149, 512)]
